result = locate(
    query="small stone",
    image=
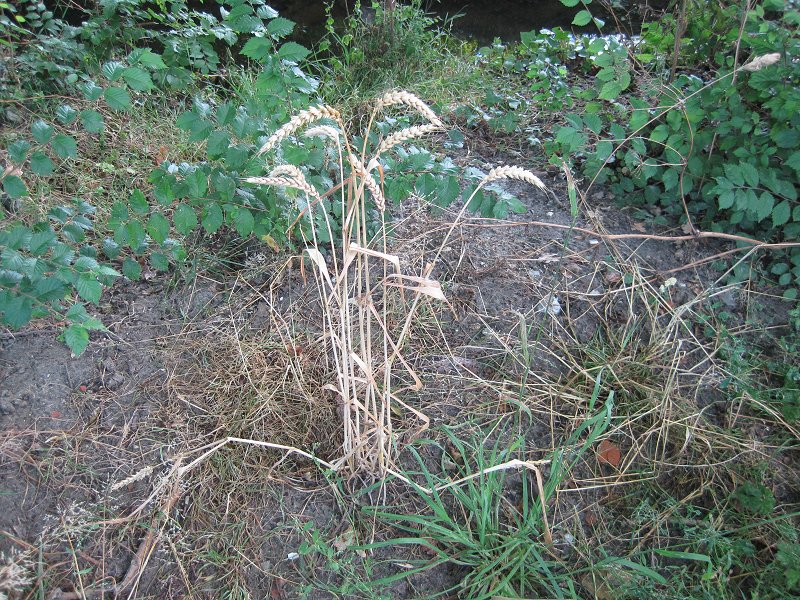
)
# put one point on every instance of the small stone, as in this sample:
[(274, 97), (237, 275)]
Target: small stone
[(115, 382)]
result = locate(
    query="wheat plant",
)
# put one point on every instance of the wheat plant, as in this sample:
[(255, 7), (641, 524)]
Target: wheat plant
[(369, 303)]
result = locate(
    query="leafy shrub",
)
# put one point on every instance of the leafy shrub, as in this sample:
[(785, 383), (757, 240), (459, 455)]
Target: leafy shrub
[(723, 150), (51, 266)]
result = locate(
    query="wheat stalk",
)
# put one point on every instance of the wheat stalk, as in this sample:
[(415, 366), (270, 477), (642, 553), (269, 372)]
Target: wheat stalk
[(409, 99), (286, 176), (304, 117)]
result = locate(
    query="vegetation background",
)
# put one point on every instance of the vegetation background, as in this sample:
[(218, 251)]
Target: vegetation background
[(158, 142)]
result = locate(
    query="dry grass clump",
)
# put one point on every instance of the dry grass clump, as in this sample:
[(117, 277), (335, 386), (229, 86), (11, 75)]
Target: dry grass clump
[(262, 387)]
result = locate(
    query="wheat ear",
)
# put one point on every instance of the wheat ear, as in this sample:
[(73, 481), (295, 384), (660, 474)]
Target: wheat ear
[(514, 173), (411, 100), (369, 182), (323, 131), (304, 117), (289, 182), (404, 135)]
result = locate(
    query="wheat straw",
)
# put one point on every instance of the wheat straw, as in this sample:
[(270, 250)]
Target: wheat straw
[(760, 62), (409, 99), (304, 117)]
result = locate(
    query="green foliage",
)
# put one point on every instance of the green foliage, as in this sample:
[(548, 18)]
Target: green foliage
[(374, 50), (755, 498), (46, 270), (721, 150), (501, 548), (113, 68)]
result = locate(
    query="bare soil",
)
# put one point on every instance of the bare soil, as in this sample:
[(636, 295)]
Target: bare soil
[(85, 443)]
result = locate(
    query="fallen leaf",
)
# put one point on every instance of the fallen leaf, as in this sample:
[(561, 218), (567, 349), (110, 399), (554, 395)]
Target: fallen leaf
[(56, 414), (160, 156), (640, 227), (608, 453), (293, 350)]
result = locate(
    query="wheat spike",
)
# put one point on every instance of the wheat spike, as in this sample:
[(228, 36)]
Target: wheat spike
[(289, 182), (304, 117), (369, 182), (518, 173), (759, 62), (411, 100), (409, 133), (323, 131)]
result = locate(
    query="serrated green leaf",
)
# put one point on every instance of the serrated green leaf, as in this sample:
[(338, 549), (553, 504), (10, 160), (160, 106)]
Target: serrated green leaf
[(158, 227), (131, 269), (88, 287), (781, 214), (40, 242), (50, 288), (91, 91), (212, 217), (16, 310), (65, 146), (138, 79), (112, 70), (41, 164), (41, 131), (292, 51), (14, 187), (726, 199), (92, 121), (77, 313), (225, 114), (793, 161), (76, 337), (117, 98), (583, 18), (280, 27), (217, 144), (764, 206), (750, 174), (244, 222), (258, 48), (610, 90), (18, 151), (139, 203), (66, 114), (135, 234), (159, 261), (185, 219), (111, 249), (148, 58), (197, 182)]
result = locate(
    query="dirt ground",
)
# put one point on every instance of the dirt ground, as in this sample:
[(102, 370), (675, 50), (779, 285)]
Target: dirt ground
[(87, 444)]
